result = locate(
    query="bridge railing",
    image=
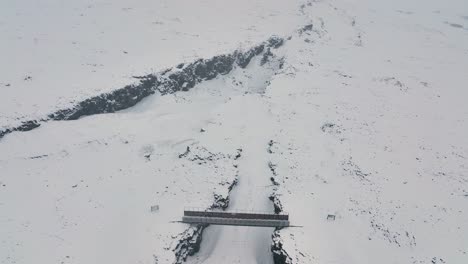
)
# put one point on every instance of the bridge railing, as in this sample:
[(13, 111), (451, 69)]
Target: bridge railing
[(235, 214), (204, 209)]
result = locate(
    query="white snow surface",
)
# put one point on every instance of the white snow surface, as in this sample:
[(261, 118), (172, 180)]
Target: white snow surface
[(368, 119), (63, 52)]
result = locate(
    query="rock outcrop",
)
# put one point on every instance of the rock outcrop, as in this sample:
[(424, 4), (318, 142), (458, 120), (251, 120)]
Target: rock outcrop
[(183, 77)]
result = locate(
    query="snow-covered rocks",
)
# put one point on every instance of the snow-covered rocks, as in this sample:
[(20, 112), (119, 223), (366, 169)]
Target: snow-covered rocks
[(356, 126)]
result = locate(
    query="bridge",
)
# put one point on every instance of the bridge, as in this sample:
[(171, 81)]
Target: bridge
[(236, 218)]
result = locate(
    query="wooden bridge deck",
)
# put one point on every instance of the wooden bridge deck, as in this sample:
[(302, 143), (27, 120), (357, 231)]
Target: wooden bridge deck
[(236, 218)]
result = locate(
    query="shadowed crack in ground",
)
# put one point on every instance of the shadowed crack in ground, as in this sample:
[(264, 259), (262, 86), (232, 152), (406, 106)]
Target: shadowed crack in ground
[(180, 78), (189, 241), (280, 256)]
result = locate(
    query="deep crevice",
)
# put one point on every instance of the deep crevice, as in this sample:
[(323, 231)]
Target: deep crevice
[(182, 77), (190, 240), (280, 256)]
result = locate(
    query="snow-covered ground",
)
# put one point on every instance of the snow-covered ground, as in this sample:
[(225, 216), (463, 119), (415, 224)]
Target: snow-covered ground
[(374, 120), (63, 52), (361, 121), (92, 187), (234, 244)]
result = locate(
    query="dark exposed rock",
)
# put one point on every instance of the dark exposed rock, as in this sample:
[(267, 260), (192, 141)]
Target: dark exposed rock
[(331, 128), (117, 100), (266, 57), (306, 28), (209, 69), (180, 78), (270, 146), (272, 168), (222, 202), (276, 203), (280, 256), (281, 63), (352, 169), (243, 59), (25, 126), (274, 173), (275, 42), (29, 125), (238, 154), (273, 180), (147, 157), (39, 157), (190, 240), (187, 151), (189, 243)]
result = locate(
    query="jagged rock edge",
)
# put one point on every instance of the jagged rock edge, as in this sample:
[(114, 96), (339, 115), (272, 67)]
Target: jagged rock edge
[(191, 239), (180, 78), (280, 256)]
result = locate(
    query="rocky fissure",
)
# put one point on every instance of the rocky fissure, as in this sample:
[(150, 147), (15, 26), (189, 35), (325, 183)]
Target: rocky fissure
[(182, 77), (189, 241), (280, 256)]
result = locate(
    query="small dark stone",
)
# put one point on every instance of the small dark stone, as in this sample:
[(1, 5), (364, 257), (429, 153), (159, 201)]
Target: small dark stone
[(187, 151), (306, 28)]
